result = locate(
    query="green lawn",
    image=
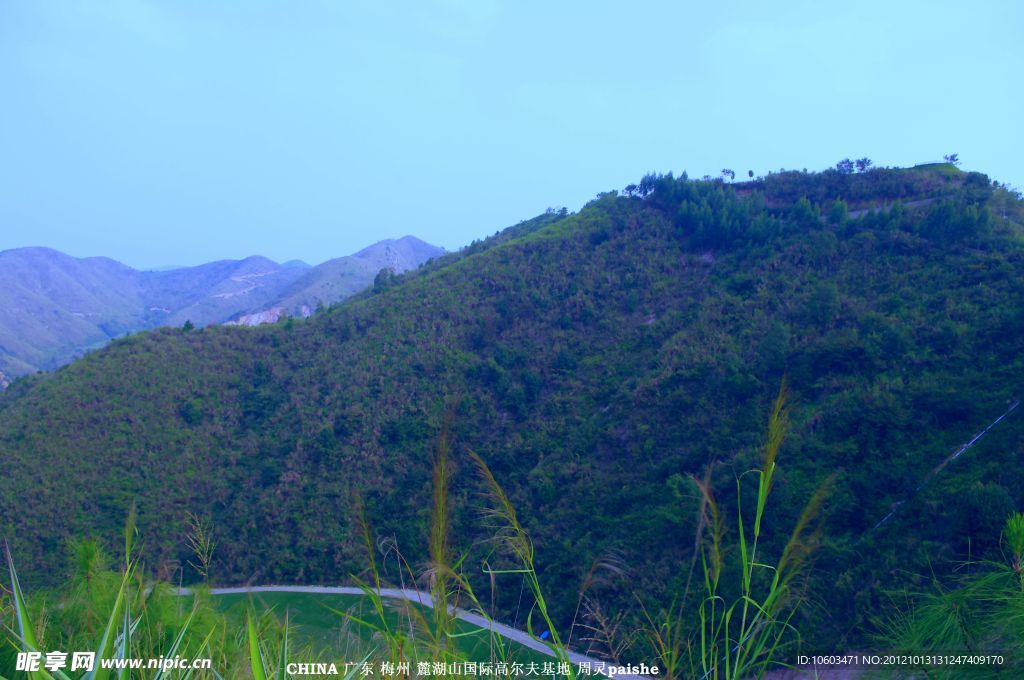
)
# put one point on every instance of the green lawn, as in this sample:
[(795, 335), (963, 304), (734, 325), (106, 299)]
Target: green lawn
[(314, 622), (942, 168)]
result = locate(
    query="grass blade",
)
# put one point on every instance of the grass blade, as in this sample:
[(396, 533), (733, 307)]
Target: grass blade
[(256, 663)]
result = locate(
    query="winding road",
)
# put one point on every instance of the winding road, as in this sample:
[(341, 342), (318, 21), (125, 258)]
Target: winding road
[(425, 600)]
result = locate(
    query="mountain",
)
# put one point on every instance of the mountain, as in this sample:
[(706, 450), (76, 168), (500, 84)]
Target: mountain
[(341, 277), (596, 361), (53, 307)]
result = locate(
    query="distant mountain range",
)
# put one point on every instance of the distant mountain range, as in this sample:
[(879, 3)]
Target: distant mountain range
[(54, 307)]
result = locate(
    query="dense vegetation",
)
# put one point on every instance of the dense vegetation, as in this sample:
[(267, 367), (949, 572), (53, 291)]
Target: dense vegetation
[(595, 360)]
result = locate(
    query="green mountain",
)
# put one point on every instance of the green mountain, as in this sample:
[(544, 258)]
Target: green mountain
[(53, 307), (594, 360)]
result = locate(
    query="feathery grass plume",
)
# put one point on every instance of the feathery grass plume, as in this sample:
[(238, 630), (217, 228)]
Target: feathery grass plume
[(752, 645), (200, 542), (514, 539), (603, 633), (510, 533), (394, 641), (442, 573), (432, 626), (603, 570), (423, 638), (439, 570), (778, 428), (804, 539), (388, 548), (711, 522), (737, 636)]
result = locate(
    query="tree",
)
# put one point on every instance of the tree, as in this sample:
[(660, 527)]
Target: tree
[(385, 279), (728, 174), (804, 214), (647, 184), (845, 167), (863, 164), (188, 325), (838, 213), (750, 174), (953, 158)]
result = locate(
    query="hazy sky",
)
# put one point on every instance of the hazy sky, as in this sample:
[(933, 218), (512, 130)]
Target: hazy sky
[(178, 132)]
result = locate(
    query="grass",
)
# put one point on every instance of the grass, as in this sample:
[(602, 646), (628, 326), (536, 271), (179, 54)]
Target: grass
[(313, 620), (941, 168), (436, 635), (129, 627), (982, 613), (738, 624)]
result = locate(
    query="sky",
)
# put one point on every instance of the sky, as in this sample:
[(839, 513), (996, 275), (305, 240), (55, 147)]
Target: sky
[(177, 132)]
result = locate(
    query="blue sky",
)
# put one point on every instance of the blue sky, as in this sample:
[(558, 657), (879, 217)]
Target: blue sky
[(178, 132)]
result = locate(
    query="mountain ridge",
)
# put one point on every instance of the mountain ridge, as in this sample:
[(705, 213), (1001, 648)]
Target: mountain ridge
[(54, 306), (342, 277)]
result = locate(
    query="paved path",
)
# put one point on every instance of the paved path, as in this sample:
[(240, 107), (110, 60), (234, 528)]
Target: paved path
[(424, 599)]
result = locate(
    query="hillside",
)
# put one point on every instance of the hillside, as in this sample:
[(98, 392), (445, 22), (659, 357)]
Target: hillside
[(54, 307), (594, 360)]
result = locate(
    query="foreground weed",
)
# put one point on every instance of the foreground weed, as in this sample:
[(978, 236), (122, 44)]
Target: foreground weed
[(979, 615), (743, 630)]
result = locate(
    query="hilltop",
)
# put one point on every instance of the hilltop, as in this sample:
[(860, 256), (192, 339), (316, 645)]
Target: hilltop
[(595, 360)]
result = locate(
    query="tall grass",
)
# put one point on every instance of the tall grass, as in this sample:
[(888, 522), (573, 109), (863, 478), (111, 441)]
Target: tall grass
[(740, 628), (511, 537), (429, 632), (270, 649), (117, 614), (200, 541), (131, 625)]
